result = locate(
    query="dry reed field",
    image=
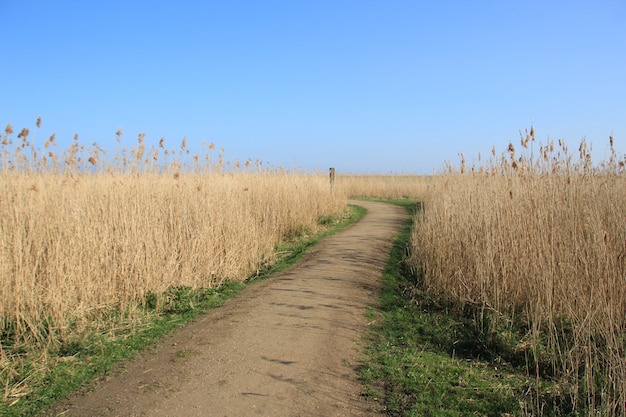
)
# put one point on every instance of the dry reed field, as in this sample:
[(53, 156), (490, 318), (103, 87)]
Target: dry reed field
[(531, 243), (534, 243), (84, 238), (386, 186)]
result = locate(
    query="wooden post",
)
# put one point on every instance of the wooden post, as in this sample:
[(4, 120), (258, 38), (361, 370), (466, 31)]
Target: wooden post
[(331, 173)]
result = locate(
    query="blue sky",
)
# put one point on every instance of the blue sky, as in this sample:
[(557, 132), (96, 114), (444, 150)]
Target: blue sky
[(364, 86)]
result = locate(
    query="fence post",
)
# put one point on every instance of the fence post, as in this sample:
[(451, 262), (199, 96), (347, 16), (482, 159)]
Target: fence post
[(331, 173)]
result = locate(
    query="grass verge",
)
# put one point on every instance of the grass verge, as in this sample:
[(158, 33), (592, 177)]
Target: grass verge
[(79, 360), (424, 360)]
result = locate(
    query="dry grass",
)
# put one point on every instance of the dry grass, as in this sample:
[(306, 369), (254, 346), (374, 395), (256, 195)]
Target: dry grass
[(82, 235), (538, 241), (383, 186), (72, 245), (532, 241)]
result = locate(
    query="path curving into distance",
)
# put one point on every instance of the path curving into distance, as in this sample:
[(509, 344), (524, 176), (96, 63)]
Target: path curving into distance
[(286, 346)]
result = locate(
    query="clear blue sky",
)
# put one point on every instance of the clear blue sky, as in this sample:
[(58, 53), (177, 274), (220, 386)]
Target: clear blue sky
[(364, 86)]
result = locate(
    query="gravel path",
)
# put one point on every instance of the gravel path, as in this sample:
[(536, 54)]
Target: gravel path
[(286, 346)]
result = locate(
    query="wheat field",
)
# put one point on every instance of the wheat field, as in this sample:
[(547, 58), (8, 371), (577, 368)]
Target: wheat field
[(537, 238)]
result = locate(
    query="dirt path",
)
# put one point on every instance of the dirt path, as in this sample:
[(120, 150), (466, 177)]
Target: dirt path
[(286, 346)]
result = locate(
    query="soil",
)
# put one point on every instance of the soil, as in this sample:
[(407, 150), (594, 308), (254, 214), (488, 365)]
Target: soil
[(286, 346)]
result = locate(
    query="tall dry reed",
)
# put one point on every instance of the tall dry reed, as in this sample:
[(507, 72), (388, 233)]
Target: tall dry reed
[(538, 238), (82, 236), (390, 186)]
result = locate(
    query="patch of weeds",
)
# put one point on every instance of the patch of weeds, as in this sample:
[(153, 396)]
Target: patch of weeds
[(298, 232), (326, 220), (179, 300), (184, 354), (72, 348), (151, 301)]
